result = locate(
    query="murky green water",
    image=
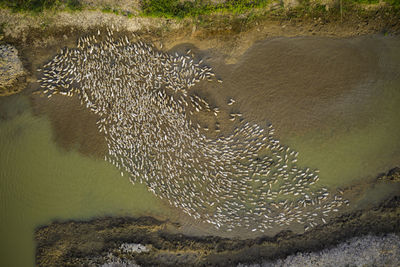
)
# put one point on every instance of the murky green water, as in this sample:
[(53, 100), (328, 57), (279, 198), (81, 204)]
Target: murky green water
[(40, 182), (336, 101), (345, 154), (357, 151), (350, 138)]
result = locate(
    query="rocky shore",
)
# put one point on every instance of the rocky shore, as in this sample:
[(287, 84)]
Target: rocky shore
[(148, 242)]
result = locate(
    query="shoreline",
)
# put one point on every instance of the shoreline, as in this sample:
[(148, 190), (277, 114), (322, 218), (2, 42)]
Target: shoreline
[(50, 32), (105, 235), (39, 28), (57, 102), (228, 34)]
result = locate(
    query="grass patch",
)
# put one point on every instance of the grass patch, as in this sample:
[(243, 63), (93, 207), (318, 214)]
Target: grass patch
[(74, 5), (366, 1), (37, 6), (28, 5), (108, 9), (2, 27), (394, 3), (179, 9), (204, 11)]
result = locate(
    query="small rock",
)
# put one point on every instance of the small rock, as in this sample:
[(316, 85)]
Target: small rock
[(133, 248)]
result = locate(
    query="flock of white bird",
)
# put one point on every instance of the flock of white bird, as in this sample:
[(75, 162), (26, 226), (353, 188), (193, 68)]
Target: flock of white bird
[(240, 180)]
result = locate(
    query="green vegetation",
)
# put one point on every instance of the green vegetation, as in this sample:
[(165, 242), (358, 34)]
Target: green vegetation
[(108, 9), (390, 2), (74, 5), (179, 9), (202, 9), (116, 11), (2, 26), (367, 1), (28, 5), (394, 3), (37, 6), (182, 9)]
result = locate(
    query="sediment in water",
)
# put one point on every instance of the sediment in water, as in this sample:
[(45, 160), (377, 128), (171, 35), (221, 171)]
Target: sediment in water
[(94, 241), (58, 244)]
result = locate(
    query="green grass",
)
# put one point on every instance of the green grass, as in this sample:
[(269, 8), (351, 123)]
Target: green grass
[(37, 6), (178, 9), (2, 26), (394, 3), (366, 1), (116, 11), (28, 5), (390, 2), (74, 5), (108, 9), (181, 9)]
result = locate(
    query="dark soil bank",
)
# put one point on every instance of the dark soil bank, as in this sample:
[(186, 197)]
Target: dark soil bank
[(92, 242)]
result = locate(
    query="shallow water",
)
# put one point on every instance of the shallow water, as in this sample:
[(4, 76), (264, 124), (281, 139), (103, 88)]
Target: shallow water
[(359, 148), (40, 182), (334, 101)]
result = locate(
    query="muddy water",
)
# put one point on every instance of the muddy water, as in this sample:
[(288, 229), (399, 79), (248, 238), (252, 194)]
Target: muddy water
[(40, 182), (334, 101)]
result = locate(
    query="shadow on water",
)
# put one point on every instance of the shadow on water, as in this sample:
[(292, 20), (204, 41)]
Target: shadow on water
[(40, 182), (333, 100)]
